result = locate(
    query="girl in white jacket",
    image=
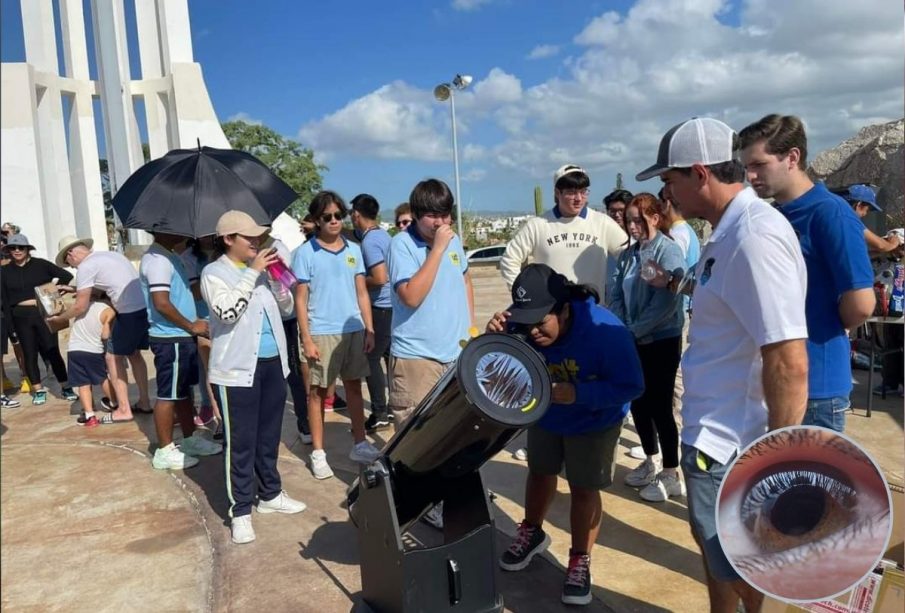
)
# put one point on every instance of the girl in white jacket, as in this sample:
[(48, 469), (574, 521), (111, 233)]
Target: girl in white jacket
[(248, 368)]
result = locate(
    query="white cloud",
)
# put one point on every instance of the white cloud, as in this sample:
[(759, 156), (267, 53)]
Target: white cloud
[(243, 116), (395, 121), (835, 63), (474, 175), (469, 5), (543, 51)]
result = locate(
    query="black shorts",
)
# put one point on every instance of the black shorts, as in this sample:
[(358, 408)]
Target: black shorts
[(176, 363), (86, 368), (129, 334)]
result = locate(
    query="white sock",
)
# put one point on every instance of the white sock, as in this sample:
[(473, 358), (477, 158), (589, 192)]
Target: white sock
[(89, 414)]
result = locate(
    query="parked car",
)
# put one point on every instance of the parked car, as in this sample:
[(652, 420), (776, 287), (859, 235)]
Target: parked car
[(493, 253)]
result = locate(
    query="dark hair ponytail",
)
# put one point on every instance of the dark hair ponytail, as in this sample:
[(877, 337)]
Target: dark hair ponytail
[(577, 292)]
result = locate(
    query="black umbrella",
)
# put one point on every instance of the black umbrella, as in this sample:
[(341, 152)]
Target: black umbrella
[(186, 191)]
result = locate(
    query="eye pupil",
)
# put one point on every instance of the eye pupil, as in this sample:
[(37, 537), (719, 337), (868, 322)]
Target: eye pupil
[(798, 510)]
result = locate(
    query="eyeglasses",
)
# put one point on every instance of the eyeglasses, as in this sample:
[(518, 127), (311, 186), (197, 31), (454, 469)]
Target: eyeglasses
[(254, 240), (572, 193), (402, 223), (328, 217)]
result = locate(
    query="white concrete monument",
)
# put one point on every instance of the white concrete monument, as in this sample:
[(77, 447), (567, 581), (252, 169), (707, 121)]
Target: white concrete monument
[(50, 181)]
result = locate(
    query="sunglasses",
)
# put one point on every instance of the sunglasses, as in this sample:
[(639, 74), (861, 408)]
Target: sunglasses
[(403, 223), (16, 248), (328, 217)]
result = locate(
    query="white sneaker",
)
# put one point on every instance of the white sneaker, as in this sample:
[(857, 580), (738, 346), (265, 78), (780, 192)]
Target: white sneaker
[(170, 458), (434, 517), (241, 529), (197, 445), (645, 473), (319, 466), (637, 452), (282, 503), (364, 452), (520, 454), (664, 487)]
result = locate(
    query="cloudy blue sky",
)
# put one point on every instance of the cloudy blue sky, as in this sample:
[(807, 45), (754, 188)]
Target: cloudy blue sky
[(591, 83)]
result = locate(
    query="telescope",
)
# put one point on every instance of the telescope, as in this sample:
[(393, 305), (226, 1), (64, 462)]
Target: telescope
[(498, 386)]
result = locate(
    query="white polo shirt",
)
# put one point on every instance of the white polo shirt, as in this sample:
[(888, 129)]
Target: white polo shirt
[(750, 292)]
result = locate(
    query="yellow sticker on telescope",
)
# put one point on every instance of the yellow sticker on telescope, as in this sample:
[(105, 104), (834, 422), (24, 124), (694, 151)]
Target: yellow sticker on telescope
[(529, 406)]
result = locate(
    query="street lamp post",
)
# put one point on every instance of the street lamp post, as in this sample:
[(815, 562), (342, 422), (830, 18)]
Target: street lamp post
[(443, 92)]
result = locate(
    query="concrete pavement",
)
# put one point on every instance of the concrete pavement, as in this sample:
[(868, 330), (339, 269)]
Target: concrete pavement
[(88, 525)]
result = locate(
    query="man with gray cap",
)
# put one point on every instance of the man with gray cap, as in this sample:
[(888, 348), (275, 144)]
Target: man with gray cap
[(113, 274), (746, 365)]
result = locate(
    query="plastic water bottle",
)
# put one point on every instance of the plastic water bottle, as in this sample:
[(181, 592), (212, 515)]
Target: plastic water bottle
[(280, 273), (897, 296)]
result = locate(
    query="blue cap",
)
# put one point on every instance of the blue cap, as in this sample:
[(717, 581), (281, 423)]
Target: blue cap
[(861, 193)]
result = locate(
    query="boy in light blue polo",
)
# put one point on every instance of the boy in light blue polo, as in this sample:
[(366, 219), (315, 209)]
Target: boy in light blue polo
[(335, 326), (173, 326), (433, 303)]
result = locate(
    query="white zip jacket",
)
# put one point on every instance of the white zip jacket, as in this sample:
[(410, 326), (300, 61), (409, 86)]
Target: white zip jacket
[(238, 299)]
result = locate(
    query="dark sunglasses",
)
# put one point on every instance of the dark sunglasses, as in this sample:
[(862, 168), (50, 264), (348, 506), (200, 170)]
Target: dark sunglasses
[(403, 223), (328, 217), (16, 248)]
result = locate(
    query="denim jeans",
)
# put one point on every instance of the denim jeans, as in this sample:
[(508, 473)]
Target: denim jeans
[(827, 412)]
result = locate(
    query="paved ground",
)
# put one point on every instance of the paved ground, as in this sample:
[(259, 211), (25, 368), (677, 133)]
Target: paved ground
[(87, 525)]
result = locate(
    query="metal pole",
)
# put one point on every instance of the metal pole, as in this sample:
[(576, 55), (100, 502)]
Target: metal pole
[(452, 106)]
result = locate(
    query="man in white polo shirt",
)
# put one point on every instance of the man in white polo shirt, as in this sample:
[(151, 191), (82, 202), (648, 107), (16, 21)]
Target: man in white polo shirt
[(746, 365), (113, 274)]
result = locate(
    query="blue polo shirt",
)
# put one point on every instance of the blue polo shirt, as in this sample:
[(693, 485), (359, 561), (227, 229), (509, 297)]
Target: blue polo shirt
[(375, 246), (434, 329), (330, 275), (161, 270), (832, 243)]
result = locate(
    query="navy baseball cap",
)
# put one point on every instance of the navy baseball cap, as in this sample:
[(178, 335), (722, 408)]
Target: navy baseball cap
[(861, 193), (536, 291)]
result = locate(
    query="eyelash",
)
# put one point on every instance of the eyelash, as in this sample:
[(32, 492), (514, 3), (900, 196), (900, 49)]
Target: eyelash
[(781, 482)]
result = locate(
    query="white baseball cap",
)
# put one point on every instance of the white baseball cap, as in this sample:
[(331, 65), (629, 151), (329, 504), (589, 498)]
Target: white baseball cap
[(700, 140)]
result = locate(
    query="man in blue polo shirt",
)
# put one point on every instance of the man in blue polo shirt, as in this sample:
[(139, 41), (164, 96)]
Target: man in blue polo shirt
[(174, 324), (334, 313), (375, 247), (840, 279), (433, 302)]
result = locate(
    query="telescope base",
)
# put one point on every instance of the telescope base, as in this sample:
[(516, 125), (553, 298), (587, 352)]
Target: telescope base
[(458, 576)]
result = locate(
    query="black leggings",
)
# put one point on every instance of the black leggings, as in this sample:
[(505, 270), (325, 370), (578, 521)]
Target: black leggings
[(36, 338), (652, 411)]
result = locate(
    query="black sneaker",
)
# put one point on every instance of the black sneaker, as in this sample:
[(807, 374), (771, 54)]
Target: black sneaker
[(108, 405), (338, 402), (69, 395), (577, 588), (529, 541), (374, 423)]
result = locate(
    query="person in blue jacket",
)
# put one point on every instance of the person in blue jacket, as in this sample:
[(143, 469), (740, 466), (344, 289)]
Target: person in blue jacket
[(596, 373)]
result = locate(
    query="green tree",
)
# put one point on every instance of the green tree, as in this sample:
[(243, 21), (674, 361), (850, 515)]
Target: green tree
[(286, 157)]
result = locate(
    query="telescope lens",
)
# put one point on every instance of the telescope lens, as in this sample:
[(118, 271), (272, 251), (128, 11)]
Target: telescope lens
[(504, 380)]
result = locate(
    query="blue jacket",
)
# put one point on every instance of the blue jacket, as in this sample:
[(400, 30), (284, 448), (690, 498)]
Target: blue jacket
[(650, 313), (598, 356)]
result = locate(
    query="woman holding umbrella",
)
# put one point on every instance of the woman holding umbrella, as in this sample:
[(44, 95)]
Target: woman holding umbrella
[(248, 369), (19, 280)]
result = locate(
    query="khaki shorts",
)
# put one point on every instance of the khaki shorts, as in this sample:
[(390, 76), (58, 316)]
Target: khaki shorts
[(590, 458), (342, 355), (410, 381)]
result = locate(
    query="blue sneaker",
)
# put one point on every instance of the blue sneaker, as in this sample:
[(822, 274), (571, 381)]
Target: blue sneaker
[(39, 397), (69, 394)]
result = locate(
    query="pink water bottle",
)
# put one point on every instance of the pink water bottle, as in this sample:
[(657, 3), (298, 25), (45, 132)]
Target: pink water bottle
[(280, 273)]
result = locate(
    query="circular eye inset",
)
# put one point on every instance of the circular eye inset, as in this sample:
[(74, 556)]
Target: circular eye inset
[(804, 514), (504, 380)]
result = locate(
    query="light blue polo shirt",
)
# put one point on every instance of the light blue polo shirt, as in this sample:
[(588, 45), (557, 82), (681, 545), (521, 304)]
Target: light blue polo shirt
[(161, 270), (375, 246), (330, 275), (434, 329)]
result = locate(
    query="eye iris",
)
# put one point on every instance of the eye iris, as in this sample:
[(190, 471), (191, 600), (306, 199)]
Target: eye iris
[(796, 505), (798, 510)]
